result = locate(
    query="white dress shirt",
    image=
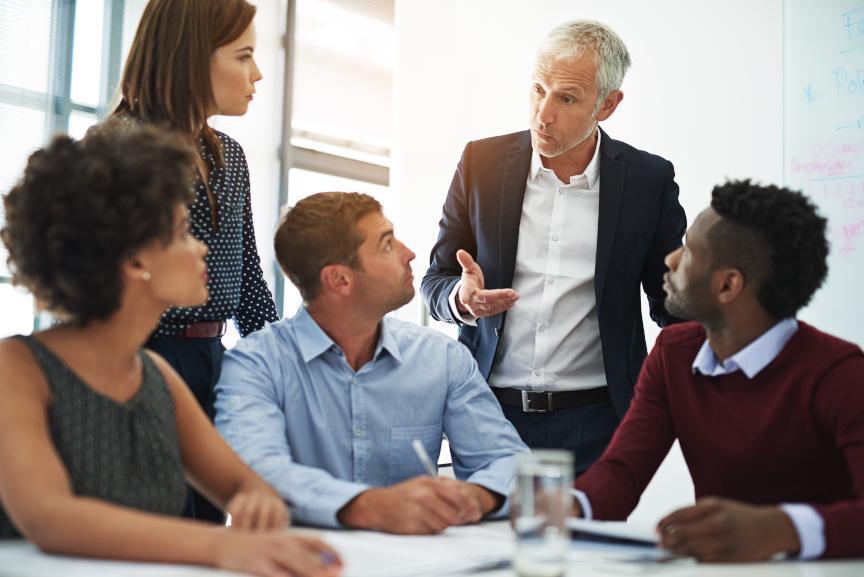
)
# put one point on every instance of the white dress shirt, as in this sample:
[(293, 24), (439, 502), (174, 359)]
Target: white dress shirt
[(551, 338)]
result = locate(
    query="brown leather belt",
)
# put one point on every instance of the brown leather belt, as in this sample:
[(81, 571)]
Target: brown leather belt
[(543, 402), (203, 330)]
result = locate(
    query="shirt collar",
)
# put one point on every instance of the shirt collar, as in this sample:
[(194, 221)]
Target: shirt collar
[(592, 171), (311, 338), (313, 341), (751, 359), (387, 341)]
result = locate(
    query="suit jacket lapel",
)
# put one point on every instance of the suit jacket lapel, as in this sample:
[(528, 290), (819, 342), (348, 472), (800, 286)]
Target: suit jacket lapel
[(612, 173), (516, 167)]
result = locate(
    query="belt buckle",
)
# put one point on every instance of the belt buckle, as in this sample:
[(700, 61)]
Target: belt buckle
[(526, 402)]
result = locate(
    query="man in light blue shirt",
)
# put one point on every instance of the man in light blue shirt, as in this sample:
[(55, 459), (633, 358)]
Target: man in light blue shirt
[(325, 406)]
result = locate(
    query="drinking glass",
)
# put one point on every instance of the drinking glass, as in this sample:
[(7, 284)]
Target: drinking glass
[(539, 510)]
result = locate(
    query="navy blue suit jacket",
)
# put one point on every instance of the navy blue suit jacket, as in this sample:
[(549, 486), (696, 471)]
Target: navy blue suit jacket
[(640, 222)]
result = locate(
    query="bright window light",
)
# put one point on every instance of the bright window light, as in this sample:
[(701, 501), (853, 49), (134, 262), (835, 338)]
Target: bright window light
[(343, 77), (87, 52)]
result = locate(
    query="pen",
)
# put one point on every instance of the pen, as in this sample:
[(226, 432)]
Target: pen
[(431, 470)]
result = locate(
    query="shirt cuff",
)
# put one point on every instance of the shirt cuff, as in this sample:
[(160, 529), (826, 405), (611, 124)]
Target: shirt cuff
[(498, 477), (810, 527), (584, 502), (323, 509), (466, 319)]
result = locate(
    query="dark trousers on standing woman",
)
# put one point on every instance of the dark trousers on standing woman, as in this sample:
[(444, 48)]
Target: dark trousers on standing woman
[(199, 362)]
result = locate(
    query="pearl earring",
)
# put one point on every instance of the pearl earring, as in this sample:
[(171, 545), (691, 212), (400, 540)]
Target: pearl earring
[(145, 275)]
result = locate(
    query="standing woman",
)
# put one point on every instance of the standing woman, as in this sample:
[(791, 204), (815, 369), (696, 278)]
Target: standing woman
[(190, 60)]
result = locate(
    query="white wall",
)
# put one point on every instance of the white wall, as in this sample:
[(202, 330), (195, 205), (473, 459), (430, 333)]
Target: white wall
[(705, 91)]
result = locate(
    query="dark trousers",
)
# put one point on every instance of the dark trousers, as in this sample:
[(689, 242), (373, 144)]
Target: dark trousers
[(583, 430), (199, 362)]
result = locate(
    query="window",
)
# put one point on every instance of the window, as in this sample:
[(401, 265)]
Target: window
[(59, 62), (340, 82), (343, 78)]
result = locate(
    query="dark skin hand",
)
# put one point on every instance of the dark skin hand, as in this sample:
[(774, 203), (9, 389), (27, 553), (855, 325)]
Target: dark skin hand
[(721, 530), (716, 530)]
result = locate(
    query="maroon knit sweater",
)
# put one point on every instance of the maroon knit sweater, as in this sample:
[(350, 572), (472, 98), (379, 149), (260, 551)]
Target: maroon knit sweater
[(793, 434)]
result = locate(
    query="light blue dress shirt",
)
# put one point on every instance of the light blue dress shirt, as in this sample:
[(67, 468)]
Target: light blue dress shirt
[(320, 433), (751, 360)]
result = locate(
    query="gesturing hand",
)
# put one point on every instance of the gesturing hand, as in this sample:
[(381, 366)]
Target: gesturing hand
[(723, 530), (473, 298)]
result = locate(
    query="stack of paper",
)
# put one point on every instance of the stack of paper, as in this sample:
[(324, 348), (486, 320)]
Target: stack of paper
[(457, 550), (613, 531), (624, 548)]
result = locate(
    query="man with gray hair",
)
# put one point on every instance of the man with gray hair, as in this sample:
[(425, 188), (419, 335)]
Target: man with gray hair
[(545, 238)]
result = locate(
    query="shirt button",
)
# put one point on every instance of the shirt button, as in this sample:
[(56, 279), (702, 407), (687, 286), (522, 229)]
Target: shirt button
[(550, 280), (358, 432), (538, 372), (541, 327), (555, 236), (354, 381)]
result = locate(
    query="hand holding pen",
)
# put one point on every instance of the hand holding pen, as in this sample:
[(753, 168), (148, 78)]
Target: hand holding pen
[(477, 499), (425, 459)]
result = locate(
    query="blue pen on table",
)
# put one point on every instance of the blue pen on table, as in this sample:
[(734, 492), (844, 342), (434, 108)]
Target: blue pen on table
[(431, 470)]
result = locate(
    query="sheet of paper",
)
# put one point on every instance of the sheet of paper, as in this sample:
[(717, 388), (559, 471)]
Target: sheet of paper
[(614, 530), (648, 564), (457, 550)]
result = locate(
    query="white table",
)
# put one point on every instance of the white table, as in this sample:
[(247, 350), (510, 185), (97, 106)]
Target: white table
[(369, 554)]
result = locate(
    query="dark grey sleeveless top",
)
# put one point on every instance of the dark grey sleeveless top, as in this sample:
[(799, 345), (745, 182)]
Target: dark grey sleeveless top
[(124, 453)]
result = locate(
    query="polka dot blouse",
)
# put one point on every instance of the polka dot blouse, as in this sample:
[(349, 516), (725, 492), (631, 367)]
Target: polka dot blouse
[(237, 287)]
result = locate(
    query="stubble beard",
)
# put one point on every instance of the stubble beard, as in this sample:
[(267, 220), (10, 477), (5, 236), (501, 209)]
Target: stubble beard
[(400, 300), (562, 148), (693, 307)]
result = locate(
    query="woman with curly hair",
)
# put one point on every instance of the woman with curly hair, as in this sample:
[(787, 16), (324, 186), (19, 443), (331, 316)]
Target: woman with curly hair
[(97, 435), (190, 60)]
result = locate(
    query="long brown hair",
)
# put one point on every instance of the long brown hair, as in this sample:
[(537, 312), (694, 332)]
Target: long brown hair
[(166, 80)]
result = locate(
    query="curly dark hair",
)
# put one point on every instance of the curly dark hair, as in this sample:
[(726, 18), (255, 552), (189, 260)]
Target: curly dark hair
[(84, 207), (775, 237)]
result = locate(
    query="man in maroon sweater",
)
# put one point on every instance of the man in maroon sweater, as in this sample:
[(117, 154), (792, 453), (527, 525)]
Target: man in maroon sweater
[(769, 411)]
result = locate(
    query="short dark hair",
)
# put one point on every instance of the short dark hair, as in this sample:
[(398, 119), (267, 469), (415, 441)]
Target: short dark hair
[(83, 207), (775, 237), (318, 231)]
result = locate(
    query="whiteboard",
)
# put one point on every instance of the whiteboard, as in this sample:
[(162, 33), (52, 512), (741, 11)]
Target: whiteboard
[(823, 125)]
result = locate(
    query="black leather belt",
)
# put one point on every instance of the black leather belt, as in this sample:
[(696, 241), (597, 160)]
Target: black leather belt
[(542, 402)]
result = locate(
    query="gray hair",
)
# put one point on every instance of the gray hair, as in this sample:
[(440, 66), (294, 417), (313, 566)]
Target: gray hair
[(572, 39)]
